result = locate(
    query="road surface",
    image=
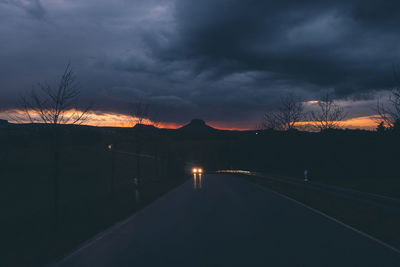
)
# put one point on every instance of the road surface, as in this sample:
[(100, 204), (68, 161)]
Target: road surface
[(227, 221)]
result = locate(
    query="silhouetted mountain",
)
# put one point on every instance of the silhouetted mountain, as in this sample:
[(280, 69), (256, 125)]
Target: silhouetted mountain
[(197, 126), (197, 129)]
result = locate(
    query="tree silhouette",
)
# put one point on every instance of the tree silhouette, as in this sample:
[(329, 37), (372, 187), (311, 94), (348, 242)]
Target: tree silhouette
[(381, 127), (54, 106), (289, 113), (140, 116), (139, 113), (329, 116), (389, 112)]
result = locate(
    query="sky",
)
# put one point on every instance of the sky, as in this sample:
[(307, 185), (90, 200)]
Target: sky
[(225, 61)]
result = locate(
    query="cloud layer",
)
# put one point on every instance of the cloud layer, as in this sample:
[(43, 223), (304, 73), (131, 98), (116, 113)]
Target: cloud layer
[(225, 60)]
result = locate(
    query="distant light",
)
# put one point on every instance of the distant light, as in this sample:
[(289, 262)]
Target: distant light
[(234, 171), (109, 147), (200, 170), (194, 170)]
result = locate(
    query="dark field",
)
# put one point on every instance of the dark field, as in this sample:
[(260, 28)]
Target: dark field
[(86, 202)]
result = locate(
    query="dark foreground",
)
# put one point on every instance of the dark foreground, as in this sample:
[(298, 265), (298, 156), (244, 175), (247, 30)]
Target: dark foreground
[(226, 222)]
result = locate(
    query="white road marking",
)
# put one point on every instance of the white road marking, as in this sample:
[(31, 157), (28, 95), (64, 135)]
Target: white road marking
[(331, 218)]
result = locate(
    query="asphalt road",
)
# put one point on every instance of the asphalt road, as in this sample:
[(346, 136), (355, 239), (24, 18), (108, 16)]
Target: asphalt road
[(229, 222)]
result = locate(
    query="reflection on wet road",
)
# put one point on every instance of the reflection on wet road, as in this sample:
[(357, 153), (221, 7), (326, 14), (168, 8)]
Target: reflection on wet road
[(228, 222), (198, 181)]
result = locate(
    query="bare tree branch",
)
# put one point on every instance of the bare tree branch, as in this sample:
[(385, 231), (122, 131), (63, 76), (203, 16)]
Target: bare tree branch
[(54, 105), (389, 112), (139, 112), (286, 116), (329, 116)]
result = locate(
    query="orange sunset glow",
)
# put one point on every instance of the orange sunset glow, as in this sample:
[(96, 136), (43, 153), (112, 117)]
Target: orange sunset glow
[(94, 118), (364, 122), (108, 119)]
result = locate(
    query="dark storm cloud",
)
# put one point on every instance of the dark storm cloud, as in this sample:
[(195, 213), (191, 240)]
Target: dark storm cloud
[(33, 8), (347, 45), (225, 60)]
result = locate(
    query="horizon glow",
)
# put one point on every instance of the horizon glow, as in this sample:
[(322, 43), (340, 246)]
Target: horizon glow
[(109, 119)]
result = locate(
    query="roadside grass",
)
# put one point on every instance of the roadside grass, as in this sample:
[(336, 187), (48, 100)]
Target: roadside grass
[(86, 207), (379, 222)]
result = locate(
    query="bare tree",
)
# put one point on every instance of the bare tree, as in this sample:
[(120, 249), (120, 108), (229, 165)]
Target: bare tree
[(142, 114), (54, 106), (139, 116), (139, 112), (329, 116), (289, 113), (271, 122), (389, 112)]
